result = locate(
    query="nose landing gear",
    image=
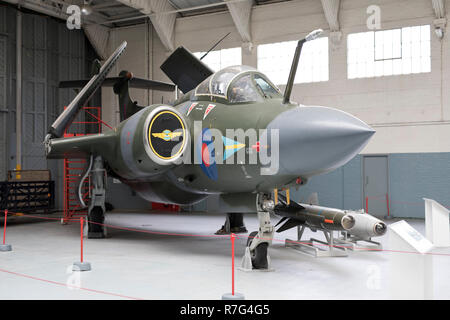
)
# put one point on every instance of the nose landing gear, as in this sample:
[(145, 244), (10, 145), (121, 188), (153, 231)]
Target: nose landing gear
[(256, 253), (96, 211)]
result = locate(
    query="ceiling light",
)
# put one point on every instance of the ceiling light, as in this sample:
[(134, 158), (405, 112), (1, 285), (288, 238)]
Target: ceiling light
[(86, 9)]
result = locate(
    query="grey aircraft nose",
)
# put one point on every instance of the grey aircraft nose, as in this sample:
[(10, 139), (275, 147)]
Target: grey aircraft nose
[(315, 140)]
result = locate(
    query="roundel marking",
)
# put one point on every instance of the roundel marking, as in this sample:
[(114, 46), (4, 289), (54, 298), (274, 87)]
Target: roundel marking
[(205, 155), (165, 132), (205, 146)]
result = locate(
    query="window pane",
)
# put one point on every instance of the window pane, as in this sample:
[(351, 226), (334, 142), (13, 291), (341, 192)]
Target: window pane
[(219, 59), (389, 52), (275, 60)]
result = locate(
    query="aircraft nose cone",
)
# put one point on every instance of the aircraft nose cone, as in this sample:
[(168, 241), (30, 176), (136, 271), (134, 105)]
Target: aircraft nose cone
[(314, 140)]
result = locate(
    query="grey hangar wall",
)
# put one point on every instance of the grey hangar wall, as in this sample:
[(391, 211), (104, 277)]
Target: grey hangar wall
[(411, 177)]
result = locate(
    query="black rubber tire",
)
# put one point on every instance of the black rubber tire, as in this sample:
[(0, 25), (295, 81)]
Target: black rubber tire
[(259, 255), (96, 215), (109, 206)]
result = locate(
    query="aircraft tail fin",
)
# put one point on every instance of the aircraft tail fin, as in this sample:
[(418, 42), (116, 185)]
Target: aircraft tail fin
[(185, 69)]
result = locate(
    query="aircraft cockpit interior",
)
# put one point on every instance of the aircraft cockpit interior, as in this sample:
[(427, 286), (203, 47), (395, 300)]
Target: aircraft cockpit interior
[(238, 84)]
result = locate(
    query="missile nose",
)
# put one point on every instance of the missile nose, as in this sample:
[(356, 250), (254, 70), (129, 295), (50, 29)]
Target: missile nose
[(380, 228), (314, 140)]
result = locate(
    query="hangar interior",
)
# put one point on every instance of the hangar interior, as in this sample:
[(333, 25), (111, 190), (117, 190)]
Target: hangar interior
[(384, 62)]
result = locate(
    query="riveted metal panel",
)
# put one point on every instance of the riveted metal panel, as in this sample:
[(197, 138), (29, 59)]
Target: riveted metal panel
[(3, 20), (34, 95), (3, 107), (3, 81), (50, 53)]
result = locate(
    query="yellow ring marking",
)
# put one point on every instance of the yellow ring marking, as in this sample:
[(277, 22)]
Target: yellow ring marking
[(150, 138)]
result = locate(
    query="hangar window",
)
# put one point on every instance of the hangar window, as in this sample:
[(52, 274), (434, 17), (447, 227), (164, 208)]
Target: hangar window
[(389, 52), (275, 59), (219, 59)]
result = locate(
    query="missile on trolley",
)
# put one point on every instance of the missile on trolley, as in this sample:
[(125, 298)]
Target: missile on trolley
[(315, 217), (366, 225)]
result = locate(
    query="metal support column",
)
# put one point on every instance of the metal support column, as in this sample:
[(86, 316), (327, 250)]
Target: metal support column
[(19, 92)]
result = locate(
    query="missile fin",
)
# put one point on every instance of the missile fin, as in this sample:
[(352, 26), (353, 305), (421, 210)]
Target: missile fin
[(291, 223), (281, 221)]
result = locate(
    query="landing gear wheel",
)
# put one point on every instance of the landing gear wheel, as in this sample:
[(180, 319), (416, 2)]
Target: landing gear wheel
[(259, 254), (96, 229)]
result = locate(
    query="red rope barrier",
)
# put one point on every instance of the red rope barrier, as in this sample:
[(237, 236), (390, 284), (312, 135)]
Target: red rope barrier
[(243, 236), (68, 285)]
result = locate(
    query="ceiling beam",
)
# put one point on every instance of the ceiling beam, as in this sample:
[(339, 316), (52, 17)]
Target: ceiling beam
[(440, 22), (331, 11), (241, 13), (164, 24), (105, 5), (41, 7), (439, 8), (98, 36), (55, 8)]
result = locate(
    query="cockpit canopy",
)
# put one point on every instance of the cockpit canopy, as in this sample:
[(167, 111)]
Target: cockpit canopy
[(238, 84)]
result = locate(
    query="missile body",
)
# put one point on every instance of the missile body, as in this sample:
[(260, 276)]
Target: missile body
[(362, 225), (314, 217)]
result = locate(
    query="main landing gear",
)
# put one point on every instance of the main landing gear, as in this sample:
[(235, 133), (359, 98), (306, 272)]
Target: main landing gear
[(256, 253), (96, 211)]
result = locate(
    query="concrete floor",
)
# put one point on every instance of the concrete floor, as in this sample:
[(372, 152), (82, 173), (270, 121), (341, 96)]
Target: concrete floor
[(155, 266)]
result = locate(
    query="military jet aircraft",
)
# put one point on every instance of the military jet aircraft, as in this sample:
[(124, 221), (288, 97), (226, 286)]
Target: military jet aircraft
[(231, 133)]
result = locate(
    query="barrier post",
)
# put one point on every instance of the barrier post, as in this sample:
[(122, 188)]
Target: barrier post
[(233, 237), (388, 210), (82, 265), (5, 247), (233, 295), (4, 227), (367, 204), (81, 239)]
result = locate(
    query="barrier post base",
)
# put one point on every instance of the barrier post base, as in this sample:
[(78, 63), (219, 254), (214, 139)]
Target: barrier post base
[(81, 266), (5, 247), (230, 296)]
